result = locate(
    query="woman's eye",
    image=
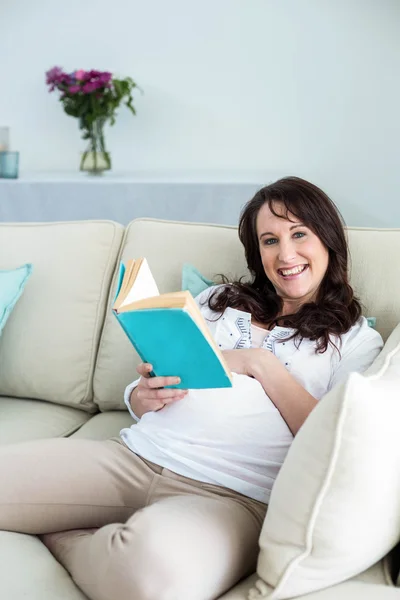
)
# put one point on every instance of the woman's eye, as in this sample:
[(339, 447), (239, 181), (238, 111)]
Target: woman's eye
[(270, 241)]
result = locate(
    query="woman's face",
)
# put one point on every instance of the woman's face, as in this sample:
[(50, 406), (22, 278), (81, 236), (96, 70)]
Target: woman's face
[(294, 258)]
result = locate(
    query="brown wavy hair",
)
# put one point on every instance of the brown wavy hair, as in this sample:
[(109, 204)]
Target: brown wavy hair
[(336, 308)]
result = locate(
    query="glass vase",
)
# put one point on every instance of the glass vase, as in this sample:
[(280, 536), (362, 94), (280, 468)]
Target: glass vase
[(96, 159)]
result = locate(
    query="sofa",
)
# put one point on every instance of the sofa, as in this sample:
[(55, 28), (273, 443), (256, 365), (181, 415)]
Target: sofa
[(65, 361)]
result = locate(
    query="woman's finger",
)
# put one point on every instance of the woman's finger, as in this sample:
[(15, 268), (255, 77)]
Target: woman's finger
[(144, 369), (160, 382), (175, 398), (160, 394)]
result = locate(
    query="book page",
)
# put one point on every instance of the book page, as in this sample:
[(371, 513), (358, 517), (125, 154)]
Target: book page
[(143, 287), (170, 300)]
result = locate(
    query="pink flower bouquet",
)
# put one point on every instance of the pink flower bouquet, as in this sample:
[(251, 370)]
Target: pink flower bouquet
[(92, 97)]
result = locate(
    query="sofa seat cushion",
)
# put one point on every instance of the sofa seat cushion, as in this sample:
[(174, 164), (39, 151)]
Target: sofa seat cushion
[(22, 420), (104, 425), (373, 584), (29, 572)]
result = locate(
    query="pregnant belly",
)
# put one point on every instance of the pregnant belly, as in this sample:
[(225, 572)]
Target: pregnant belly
[(220, 416)]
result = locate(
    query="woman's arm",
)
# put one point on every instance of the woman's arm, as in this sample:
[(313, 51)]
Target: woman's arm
[(290, 398)]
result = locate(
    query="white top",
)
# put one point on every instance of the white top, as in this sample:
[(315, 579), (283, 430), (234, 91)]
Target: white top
[(235, 437)]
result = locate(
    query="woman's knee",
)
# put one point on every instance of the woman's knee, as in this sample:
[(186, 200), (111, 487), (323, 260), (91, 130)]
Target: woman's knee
[(164, 552), (145, 561)]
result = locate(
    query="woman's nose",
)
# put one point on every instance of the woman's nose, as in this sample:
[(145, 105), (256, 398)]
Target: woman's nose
[(287, 252)]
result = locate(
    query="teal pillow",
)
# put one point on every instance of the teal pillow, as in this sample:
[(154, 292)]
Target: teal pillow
[(193, 280), (12, 284)]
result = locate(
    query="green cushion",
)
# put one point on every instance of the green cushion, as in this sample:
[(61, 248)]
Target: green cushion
[(12, 283), (193, 280)]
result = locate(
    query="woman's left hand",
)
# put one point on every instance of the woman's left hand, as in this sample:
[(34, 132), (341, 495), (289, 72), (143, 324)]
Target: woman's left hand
[(247, 361), (292, 400)]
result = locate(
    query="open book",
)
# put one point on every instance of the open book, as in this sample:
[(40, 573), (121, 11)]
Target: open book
[(168, 330)]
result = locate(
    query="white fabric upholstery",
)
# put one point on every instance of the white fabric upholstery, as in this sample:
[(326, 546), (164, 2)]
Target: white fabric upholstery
[(389, 359), (167, 245), (29, 572), (373, 584), (334, 509), (22, 420), (373, 254), (48, 347), (104, 425)]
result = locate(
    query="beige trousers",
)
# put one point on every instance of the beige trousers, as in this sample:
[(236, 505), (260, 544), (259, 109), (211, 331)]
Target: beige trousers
[(157, 535)]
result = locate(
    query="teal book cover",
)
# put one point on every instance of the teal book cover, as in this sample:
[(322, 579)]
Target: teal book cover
[(170, 340), (121, 273)]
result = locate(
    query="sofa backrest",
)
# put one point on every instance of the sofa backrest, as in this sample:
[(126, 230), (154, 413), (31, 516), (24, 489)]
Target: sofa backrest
[(216, 249), (374, 274), (49, 345)]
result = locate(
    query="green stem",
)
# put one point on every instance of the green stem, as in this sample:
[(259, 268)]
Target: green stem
[(94, 144), (103, 145)]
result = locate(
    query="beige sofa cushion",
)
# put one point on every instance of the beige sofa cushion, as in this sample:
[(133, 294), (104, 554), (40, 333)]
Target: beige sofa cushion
[(166, 245), (388, 361), (372, 251), (104, 426), (373, 584), (48, 347), (334, 508), (22, 420), (29, 572)]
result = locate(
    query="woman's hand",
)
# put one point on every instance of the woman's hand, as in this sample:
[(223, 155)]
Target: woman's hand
[(247, 361), (291, 399), (150, 394)]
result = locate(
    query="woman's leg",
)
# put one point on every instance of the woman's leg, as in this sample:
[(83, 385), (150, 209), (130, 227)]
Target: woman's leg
[(178, 548), (59, 484)]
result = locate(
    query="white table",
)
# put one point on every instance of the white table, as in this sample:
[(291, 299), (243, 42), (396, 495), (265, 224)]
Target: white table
[(197, 196)]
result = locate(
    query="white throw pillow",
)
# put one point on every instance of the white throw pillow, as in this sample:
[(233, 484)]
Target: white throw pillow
[(335, 506)]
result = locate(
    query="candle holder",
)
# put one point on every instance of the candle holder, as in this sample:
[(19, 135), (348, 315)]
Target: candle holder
[(9, 165)]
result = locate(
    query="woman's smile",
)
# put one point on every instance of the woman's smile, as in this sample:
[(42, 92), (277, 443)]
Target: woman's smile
[(293, 272)]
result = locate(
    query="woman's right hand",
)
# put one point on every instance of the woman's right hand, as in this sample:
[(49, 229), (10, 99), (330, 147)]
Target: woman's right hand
[(150, 394)]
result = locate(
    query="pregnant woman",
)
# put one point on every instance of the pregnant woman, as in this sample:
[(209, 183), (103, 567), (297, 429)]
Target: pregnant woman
[(172, 509)]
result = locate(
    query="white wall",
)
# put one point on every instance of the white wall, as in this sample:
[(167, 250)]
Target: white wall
[(306, 87)]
